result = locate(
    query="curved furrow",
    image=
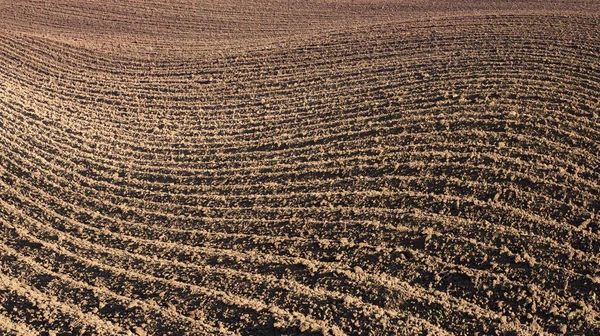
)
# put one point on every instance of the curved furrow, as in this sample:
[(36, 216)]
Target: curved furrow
[(92, 299), (354, 134), (399, 131), (328, 43), (584, 172), (90, 215), (345, 78), (304, 131), (577, 169), (21, 302), (9, 327), (580, 121), (307, 167), (218, 200), (267, 246), (516, 165), (280, 291), (432, 306), (312, 49), (166, 293)]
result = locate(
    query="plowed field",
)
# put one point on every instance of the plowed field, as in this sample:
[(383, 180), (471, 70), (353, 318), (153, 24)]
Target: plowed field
[(264, 167)]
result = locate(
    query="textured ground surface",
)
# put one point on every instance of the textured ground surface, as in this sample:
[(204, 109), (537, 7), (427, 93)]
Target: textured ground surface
[(294, 167)]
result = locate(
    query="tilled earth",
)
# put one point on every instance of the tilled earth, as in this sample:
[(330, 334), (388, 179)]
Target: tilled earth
[(303, 167)]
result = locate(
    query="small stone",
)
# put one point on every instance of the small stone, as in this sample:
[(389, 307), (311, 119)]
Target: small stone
[(140, 332)]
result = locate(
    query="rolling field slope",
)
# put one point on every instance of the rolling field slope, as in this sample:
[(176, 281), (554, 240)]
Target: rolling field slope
[(297, 167)]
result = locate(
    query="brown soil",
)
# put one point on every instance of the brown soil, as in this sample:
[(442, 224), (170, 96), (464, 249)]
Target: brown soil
[(297, 167)]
